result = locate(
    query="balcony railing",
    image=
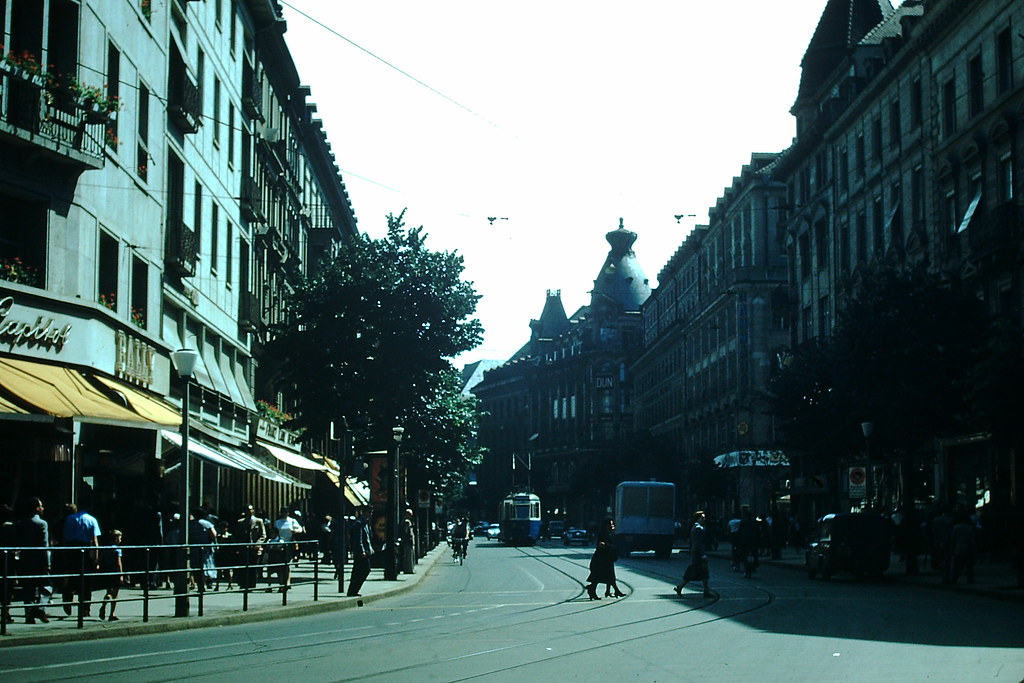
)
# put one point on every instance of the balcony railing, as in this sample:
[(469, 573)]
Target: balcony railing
[(182, 249), (252, 200), (50, 119), (250, 316), (252, 97), (183, 105)]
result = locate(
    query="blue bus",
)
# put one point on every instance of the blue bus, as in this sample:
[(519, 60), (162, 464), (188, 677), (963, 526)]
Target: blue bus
[(519, 517)]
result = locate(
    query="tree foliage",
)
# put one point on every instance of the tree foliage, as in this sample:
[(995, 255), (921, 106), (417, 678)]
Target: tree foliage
[(900, 357), (369, 338)]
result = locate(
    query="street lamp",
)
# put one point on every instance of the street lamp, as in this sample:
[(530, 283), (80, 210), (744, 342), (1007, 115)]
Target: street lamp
[(395, 503), (184, 361), (867, 429)]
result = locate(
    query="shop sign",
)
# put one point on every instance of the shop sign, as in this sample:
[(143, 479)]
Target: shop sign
[(44, 332), (134, 360)]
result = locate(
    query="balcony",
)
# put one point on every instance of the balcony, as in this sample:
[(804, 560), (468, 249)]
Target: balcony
[(49, 120), (183, 106), (252, 96), (251, 201), (250, 317), (182, 250), (997, 232)]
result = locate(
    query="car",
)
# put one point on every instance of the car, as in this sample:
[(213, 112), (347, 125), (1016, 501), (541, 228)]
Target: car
[(852, 542), (493, 532), (556, 528), (575, 536), (480, 529)]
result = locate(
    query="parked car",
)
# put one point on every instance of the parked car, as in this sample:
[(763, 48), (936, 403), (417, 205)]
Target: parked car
[(576, 537), (556, 528), (853, 542), (481, 528), (493, 532)]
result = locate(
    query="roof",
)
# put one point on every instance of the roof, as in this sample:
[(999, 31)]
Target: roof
[(621, 280)]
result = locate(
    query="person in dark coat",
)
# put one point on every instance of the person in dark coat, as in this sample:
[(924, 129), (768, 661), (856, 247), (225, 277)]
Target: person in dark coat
[(362, 550), (32, 531), (7, 558), (602, 563), (698, 569)]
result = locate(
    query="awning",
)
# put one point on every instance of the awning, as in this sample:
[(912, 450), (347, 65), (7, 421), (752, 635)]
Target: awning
[(291, 457), (266, 471), (149, 407), (57, 390), (201, 451), (357, 492)]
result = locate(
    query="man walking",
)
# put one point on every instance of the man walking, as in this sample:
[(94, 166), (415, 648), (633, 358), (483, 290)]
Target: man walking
[(362, 549), (32, 531), (698, 569), (251, 530), (80, 530)]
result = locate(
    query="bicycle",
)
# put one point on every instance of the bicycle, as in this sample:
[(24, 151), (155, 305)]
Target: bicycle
[(459, 550)]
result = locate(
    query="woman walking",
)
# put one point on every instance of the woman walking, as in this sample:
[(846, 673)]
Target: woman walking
[(698, 569), (602, 564)]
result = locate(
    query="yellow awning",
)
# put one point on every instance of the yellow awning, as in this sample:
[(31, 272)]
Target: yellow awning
[(290, 457), (59, 391), (149, 407)]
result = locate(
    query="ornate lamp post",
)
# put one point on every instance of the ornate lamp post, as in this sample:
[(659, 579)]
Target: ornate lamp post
[(394, 507), (184, 361)]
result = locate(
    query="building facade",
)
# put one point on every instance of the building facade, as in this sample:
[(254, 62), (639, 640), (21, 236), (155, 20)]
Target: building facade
[(560, 412), (712, 329), (908, 152), (141, 211)]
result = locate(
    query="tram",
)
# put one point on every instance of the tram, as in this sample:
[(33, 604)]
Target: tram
[(519, 517)]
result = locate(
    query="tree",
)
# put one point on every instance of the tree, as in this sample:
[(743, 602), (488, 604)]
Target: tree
[(369, 338), (900, 357)]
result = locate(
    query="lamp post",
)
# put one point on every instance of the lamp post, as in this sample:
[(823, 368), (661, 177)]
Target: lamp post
[(867, 429), (184, 361), (395, 507)]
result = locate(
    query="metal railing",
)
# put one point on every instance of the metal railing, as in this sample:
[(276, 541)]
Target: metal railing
[(77, 572)]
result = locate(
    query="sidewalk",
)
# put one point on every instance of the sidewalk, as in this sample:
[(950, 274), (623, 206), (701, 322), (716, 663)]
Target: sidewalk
[(992, 579), (220, 608)]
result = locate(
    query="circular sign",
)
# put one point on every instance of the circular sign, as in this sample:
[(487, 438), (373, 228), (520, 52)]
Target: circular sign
[(857, 475)]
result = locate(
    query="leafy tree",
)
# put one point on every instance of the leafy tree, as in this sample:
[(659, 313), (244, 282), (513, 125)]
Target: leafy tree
[(368, 339), (899, 357)]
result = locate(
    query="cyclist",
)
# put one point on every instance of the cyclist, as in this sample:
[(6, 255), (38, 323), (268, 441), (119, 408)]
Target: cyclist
[(460, 537)]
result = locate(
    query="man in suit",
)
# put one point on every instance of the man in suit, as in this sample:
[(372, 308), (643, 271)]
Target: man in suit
[(32, 531)]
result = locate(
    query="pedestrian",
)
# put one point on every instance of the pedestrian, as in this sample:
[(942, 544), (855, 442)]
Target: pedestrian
[(362, 551), (251, 531), (111, 572), (32, 531), (202, 536), (81, 530), (7, 558), (283, 547), (748, 540), (734, 539), (226, 555), (407, 539), (602, 563), (698, 569), (963, 541)]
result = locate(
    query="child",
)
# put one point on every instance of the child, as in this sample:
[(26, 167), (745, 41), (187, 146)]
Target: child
[(111, 573)]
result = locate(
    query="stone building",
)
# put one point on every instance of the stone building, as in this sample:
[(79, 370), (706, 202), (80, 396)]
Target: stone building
[(908, 150), (162, 181), (558, 415), (711, 329)]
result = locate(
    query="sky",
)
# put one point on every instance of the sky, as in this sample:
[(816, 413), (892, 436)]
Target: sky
[(554, 117)]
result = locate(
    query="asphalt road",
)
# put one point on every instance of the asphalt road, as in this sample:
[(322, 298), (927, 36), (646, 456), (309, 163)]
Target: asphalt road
[(515, 614)]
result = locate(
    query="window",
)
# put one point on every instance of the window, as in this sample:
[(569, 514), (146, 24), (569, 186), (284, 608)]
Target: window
[(198, 215), (214, 235), (231, 134), (949, 108), (975, 86), (1005, 179), (876, 139), (843, 247), (142, 147), (824, 326), (917, 194), (23, 241), (805, 255), (952, 213), (844, 170), (877, 238), (113, 92), (821, 243), (1004, 61), (859, 151), (140, 291), (862, 237), (916, 103), (895, 125), (216, 111), (106, 277)]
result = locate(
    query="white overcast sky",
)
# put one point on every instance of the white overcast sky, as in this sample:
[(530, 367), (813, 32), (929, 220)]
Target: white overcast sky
[(560, 116)]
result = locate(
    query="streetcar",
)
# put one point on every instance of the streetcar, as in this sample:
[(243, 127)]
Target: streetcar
[(519, 517)]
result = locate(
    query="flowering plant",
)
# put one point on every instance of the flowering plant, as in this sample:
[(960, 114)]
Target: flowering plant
[(271, 413), (25, 61), (109, 300), (16, 270), (139, 317), (94, 96), (147, 8)]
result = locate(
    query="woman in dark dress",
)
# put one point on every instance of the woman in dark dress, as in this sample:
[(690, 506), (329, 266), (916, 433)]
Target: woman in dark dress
[(602, 564)]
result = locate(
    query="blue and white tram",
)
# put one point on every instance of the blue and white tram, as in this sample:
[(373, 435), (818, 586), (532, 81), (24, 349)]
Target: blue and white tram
[(519, 517)]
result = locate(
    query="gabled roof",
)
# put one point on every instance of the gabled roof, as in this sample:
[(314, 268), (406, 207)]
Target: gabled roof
[(843, 24)]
